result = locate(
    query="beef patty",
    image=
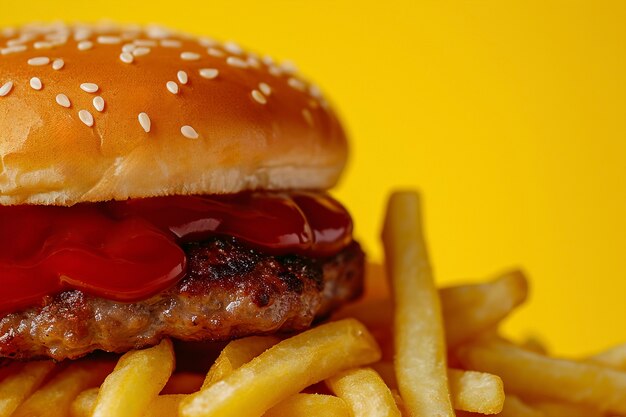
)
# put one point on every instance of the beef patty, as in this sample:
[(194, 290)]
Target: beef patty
[(229, 291)]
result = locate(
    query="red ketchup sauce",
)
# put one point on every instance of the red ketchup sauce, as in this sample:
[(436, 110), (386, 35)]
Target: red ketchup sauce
[(130, 250)]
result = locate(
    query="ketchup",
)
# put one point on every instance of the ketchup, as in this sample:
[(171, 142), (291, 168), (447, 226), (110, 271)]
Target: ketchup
[(130, 250)]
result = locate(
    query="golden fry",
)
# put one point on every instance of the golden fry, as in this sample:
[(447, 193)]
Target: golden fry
[(471, 309), (82, 406), (477, 392), (535, 345), (161, 406), (138, 378), (555, 409), (313, 405), (467, 310), (514, 407), (164, 406), (471, 391), (614, 357), (20, 382), (533, 375), (54, 398), (285, 369), (365, 393), (420, 351), (235, 354)]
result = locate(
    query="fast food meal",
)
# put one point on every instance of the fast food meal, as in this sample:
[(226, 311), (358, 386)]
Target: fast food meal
[(164, 197)]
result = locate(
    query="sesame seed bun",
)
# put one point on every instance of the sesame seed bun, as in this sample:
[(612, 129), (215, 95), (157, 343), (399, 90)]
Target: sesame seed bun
[(94, 113)]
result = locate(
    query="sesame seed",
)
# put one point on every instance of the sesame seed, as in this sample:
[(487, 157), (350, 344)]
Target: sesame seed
[(172, 87), (35, 83), (141, 51), (109, 40), (157, 32), (9, 32), (43, 45), (13, 49), (145, 42), (306, 113), (129, 47), (189, 56), (189, 132), (296, 83), (315, 91), (144, 121), (207, 42), (215, 52), (267, 60), (85, 117), (89, 87), (19, 41), (57, 64), (182, 77), (209, 73), (6, 89), (57, 40), (98, 103), (39, 61), (289, 67), (82, 34), (233, 61), (127, 57), (171, 43), (85, 45), (62, 100), (233, 48), (253, 62), (265, 89), (258, 97), (275, 71)]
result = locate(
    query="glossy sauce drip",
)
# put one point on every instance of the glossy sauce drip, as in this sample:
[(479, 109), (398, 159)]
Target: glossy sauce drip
[(128, 251)]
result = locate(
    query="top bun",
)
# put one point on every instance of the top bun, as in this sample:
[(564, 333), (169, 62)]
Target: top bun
[(96, 113)]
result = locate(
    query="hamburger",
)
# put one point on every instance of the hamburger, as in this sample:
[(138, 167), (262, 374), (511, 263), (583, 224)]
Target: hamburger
[(158, 185)]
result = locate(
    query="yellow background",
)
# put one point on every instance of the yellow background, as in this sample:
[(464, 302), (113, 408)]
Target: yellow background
[(510, 116)]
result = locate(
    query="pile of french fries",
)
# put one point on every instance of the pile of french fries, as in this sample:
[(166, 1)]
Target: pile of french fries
[(418, 351)]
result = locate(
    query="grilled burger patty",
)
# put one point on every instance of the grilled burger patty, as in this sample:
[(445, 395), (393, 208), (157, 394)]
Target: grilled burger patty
[(229, 291)]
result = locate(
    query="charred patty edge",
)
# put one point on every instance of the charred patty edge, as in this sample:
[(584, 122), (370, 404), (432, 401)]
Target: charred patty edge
[(229, 291)]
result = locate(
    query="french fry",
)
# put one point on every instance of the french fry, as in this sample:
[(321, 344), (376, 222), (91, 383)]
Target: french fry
[(365, 393), (467, 310), (285, 369), (535, 376), (161, 406), (420, 351), (399, 402), (535, 345), (138, 378), (183, 383), (477, 392), (471, 391), (55, 397), (164, 406), (314, 405), (83, 404), (471, 309), (555, 409), (235, 354), (614, 357), (515, 407), (20, 383)]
